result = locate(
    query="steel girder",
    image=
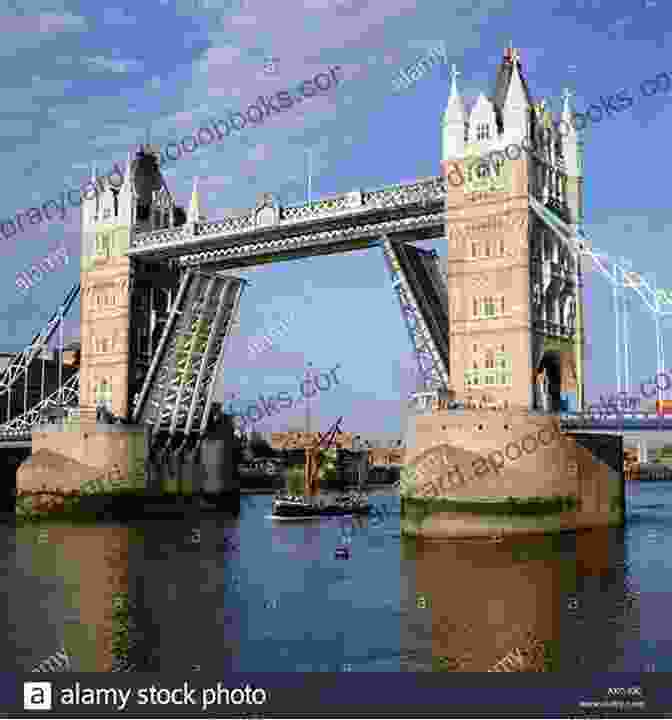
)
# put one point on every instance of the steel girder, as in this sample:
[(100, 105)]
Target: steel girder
[(65, 396), (347, 222), (414, 275), (177, 393), (17, 365)]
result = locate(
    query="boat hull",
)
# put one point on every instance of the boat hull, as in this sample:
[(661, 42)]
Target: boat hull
[(316, 514)]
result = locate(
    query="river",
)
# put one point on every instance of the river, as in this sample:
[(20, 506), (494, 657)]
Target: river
[(248, 594)]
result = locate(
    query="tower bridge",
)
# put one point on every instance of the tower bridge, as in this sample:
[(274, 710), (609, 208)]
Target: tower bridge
[(495, 323)]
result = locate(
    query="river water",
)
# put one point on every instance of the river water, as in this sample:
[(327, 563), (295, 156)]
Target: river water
[(218, 592)]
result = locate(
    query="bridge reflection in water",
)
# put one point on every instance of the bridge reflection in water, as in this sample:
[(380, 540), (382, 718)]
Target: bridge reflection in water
[(132, 598), (538, 603), (245, 594)]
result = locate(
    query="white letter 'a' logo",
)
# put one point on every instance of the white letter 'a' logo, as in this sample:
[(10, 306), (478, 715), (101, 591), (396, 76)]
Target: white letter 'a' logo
[(37, 696)]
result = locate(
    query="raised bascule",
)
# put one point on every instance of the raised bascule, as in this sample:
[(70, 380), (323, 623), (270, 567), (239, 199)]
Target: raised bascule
[(495, 323)]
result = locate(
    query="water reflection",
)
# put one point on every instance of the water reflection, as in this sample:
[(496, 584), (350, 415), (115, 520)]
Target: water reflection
[(250, 594), (124, 598), (540, 603)]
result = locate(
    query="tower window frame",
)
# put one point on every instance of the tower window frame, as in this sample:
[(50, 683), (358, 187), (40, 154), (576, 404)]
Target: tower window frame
[(482, 131)]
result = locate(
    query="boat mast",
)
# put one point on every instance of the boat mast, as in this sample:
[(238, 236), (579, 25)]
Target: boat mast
[(314, 458)]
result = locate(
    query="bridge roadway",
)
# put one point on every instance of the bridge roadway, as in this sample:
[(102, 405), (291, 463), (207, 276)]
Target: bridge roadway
[(639, 430), (270, 232)]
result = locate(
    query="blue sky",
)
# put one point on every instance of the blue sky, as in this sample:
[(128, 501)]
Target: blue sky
[(83, 82)]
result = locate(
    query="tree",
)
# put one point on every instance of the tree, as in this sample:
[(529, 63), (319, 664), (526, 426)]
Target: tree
[(295, 480)]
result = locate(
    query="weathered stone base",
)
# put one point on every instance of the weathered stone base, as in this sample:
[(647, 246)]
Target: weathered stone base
[(107, 466), (511, 473), (74, 458)]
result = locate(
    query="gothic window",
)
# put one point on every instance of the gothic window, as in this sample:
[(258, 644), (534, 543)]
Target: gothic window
[(104, 394), (482, 131), (103, 245), (503, 367)]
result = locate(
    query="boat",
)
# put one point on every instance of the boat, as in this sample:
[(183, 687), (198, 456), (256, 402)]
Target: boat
[(311, 505), (290, 507)]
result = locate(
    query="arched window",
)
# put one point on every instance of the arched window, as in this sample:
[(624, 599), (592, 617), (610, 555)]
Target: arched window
[(104, 394), (489, 360), (474, 249), (501, 246)]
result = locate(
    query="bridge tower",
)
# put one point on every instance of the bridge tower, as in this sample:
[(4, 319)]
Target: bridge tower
[(117, 319), (516, 330)]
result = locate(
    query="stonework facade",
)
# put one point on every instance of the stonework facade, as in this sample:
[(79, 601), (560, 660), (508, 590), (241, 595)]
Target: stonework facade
[(513, 288), (516, 332)]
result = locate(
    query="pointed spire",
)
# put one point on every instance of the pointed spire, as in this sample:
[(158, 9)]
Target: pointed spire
[(566, 107), (194, 214), (127, 174), (453, 81), (455, 113), (516, 97)]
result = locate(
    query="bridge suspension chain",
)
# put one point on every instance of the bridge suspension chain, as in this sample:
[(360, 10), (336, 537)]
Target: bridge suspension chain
[(619, 274), (17, 366)]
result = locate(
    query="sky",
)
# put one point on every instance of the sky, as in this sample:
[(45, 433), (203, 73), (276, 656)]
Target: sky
[(85, 82)]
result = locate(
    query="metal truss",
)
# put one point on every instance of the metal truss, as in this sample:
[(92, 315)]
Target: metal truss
[(618, 273), (65, 396), (18, 364), (427, 194), (177, 392), (432, 362)]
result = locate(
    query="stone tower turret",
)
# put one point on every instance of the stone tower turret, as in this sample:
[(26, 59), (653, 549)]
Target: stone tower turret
[(512, 284), (135, 200)]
